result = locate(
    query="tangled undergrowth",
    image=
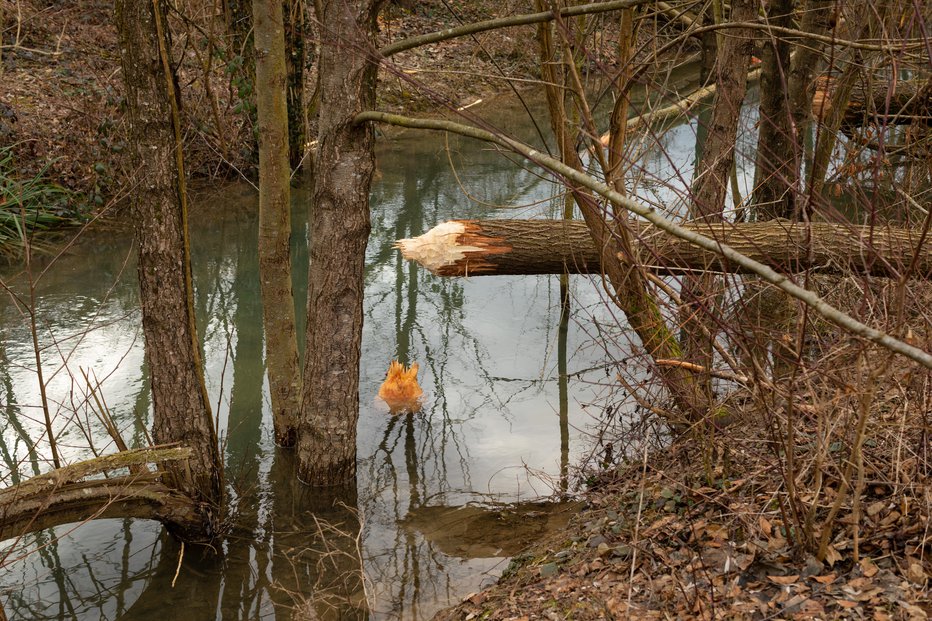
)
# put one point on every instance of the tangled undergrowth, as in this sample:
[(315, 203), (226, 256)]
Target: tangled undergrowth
[(813, 501), (660, 540)]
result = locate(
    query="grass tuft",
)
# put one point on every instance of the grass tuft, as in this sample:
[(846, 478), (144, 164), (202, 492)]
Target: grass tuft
[(29, 209)]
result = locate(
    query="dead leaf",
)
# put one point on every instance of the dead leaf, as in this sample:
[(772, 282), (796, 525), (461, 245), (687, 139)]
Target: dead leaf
[(765, 526), (784, 580), (809, 609), (847, 603), (916, 574), (826, 579), (868, 568), (832, 556), (861, 583), (776, 543), (914, 612)]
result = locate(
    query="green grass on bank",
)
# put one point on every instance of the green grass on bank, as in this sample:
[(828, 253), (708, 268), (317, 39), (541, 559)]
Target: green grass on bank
[(30, 209)]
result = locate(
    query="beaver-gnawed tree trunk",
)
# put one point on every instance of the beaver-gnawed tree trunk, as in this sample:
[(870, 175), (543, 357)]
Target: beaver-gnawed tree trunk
[(524, 247), (340, 224), (182, 410)]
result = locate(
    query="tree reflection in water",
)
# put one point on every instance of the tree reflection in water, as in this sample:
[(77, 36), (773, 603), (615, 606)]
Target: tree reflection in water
[(497, 408)]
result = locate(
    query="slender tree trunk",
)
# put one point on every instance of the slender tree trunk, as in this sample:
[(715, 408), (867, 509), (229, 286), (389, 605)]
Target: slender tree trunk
[(612, 238), (775, 140), (806, 63), (278, 318), (340, 225), (710, 187), (182, 411), (296, 32)]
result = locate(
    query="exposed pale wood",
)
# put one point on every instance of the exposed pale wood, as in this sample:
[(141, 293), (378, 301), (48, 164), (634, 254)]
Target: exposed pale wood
[(499, 247)]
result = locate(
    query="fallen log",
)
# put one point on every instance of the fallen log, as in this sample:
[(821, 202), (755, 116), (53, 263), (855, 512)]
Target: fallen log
[(674, 110), (909, 101), (73, 493), (525, 247)]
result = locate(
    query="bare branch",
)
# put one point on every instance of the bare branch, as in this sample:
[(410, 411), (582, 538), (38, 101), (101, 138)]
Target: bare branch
[(505, 22)]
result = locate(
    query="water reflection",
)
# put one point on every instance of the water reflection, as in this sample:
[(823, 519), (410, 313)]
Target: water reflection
[(500, 419), (503, 364)]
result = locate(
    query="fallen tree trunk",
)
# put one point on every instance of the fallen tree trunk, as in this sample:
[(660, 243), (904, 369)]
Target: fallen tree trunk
[(67, 494), (523, 247), (910, 101)]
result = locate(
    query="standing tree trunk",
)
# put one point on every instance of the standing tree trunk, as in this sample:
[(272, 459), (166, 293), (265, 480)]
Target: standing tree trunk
[(182, 411), (296, 32), (340, 225), (710, 187), (278, 318), (775, 142), (806, 65), (718, 155)]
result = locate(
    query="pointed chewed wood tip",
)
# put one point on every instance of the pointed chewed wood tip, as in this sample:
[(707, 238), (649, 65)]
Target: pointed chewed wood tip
[(439, 247), (400, 390)]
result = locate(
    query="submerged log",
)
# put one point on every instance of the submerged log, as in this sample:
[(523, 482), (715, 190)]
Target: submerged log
[(524, 247)]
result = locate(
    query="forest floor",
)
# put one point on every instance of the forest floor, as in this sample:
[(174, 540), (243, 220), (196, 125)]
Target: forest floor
[(61, 105), (661, 540)]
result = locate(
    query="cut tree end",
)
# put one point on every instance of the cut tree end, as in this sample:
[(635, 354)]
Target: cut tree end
[(439, 247)]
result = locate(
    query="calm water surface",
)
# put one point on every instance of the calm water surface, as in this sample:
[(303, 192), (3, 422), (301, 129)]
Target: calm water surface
[(498, 426)]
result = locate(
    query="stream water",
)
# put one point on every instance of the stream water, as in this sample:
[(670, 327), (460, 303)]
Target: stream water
[(425, 525)]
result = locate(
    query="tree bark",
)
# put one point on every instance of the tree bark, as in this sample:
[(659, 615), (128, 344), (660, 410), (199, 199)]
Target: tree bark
[(68, 494), (340, 225), (296, 33), (182, 411), (525, 247), (278, 317), (773, 167)]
